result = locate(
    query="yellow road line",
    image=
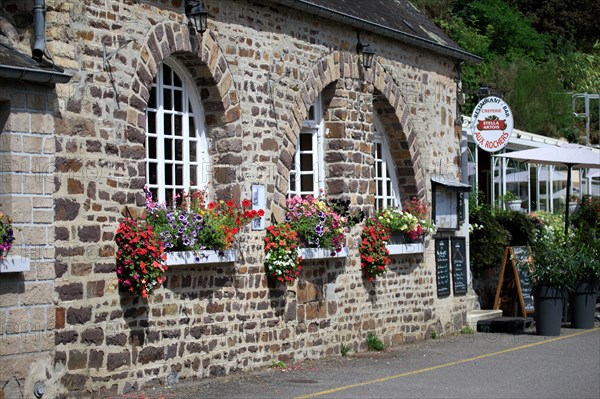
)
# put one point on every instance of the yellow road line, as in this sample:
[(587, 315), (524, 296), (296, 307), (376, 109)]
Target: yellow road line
[(439, 366)]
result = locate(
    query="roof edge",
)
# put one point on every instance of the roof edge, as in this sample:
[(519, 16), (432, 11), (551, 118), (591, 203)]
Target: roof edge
[(34, 75), (303, 5)]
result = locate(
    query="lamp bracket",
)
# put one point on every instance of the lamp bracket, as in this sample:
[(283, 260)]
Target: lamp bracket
[(107, 56), (359, 46)]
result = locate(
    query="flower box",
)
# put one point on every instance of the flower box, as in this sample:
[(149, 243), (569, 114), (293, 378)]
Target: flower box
[(400, 244), (321, 253), (200, 257), (401, 249), (14, 264)]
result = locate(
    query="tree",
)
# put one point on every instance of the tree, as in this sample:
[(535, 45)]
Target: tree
[(535, 52)]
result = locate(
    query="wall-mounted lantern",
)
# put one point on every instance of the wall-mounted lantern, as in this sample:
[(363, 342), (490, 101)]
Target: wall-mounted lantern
[(367, 53), (197, 15)]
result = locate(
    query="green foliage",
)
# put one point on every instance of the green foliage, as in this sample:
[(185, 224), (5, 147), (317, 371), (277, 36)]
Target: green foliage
[(345, 349), (586, 236), (535, 54), (467, 330), (487, 239), (518, 225), (566, 20), (554, 255), (510, 33), (587, 217), (278, 364), (579, 71), (374, 343), (433, 334), (509, 196), (537, 99)]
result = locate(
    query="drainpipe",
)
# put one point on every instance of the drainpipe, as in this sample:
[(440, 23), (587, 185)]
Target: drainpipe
[(39, 10)]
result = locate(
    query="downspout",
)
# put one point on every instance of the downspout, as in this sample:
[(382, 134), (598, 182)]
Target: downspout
[(39, 45)]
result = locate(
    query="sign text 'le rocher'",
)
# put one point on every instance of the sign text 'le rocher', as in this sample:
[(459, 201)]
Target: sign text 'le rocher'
[(492, 124)]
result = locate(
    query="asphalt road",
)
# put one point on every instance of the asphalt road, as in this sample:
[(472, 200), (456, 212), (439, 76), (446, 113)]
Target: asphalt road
[(463, 366)]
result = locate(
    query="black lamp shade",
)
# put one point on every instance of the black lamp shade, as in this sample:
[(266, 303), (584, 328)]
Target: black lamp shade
[(367, 56), (197, 15)]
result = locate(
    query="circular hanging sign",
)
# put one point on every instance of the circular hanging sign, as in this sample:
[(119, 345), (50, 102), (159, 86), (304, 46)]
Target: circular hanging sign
[(492, 124)]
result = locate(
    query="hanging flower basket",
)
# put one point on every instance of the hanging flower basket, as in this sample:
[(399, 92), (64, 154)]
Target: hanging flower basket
[(140, 258), (312, 229)]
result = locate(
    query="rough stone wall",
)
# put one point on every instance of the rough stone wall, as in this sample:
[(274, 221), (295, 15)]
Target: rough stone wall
[(27, 316), (258, 69)]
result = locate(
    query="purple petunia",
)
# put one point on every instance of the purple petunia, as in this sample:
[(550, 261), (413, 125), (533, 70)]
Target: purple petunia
[(319, 230)]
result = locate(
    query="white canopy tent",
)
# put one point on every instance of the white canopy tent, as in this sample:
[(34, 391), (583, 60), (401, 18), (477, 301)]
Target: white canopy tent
[(522, 176), (569, 155)]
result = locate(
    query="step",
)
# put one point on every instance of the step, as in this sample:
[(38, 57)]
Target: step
[(511, 325), (473, 316)]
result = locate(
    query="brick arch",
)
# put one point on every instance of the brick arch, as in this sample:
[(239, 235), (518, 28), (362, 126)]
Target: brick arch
[(325, 71), (406, 161), (210, 72), (340, 65), (393, 111)]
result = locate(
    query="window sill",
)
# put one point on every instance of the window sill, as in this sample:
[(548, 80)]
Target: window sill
[(15, 264), (321, 253), (205, 257), (402, 249)]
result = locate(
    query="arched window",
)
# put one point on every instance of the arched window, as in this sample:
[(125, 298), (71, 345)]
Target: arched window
[(308, 174), (387, 193), (177, 158)]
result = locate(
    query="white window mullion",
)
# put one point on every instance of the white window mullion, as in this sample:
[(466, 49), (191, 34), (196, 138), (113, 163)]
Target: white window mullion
[(160, 136), (186, 94), (314, 128), (384, 197), (185, 126)]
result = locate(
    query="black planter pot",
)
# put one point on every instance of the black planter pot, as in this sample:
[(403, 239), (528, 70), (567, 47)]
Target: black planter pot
[(548, 302), (583, 305)]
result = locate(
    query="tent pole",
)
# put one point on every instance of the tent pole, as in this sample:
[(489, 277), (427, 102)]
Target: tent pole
[(567, 199)]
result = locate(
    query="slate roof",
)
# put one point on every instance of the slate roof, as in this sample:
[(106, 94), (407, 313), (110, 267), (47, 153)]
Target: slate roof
[(397, 19), (16, 65)]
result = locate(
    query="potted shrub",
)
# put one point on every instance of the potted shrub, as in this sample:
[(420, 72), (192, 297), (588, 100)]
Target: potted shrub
[(586, 268), (582, 296), (511, 201), (549, 274)]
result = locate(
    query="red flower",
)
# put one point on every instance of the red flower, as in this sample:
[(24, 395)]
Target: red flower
[(139, 257), (246, 203), (373, 252)]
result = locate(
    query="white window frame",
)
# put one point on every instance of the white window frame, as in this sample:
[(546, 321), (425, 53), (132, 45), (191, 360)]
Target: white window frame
[(314, 127), (202, 163), (388, 169)]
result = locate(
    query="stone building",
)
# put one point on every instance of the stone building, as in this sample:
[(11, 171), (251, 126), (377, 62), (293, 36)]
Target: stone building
[(135, 86)]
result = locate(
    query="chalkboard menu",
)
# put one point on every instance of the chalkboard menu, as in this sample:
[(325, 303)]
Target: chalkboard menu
[(513, 294), (459, 267), (521, 255), (442, 266)]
